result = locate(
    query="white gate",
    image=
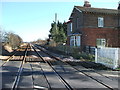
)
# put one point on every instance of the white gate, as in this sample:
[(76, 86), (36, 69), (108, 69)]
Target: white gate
[(110, 57)]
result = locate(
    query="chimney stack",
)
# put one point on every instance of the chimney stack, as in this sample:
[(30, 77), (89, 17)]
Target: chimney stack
[(87, 3)]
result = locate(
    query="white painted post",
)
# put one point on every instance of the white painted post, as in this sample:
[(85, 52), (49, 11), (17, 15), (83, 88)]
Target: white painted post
[(116, 59), (119, 57), (74, 40), (96, 55)]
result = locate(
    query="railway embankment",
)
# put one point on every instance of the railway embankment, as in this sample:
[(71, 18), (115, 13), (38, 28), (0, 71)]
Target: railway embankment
[(81, 57), (6, 52)]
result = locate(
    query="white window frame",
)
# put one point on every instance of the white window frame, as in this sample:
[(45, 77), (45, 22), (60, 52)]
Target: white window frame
[(100, 22), (75, 41), (102, 42), (78, 41), (71, 27)]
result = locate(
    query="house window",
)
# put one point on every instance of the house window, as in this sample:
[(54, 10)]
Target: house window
[(100, 21), (71, 27), (78, 41), (75, 41), (101, 42), (77, 22)]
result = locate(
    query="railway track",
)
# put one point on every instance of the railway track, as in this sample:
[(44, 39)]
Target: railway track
[(44, 79), (13, 57), (59, 76), (51, 73), (87, 72), (4, 62), (17, 79), (14, 64)]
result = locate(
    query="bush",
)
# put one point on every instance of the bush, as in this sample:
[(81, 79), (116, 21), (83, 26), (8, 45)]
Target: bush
[(73, 51), (84, 56)]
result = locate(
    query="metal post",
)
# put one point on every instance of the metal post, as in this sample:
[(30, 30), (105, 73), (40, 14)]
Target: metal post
[(119, 14), (56, 20)]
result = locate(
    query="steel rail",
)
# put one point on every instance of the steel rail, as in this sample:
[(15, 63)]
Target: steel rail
[(59, 76), (94, 70), (42, 72), (8, 59), (42, 69), (17, 79), (107, 86)]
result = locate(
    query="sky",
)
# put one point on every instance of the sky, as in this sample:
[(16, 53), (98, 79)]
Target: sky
[(31, 20)]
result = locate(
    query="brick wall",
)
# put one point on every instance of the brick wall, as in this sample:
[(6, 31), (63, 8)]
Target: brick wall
[(88, 27), (76, 14), (91, 20), (90, 35), (68, 28)]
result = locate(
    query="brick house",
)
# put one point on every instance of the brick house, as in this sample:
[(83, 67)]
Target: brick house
[(88, 26)]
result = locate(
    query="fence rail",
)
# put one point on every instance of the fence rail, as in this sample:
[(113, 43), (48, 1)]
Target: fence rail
[(89, 49), (110, 57)]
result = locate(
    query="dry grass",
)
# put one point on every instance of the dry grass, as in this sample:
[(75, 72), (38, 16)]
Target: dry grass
[(8, 48)]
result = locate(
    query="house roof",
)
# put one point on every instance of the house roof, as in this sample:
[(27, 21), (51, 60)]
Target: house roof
[(68, 21), (97, 10)]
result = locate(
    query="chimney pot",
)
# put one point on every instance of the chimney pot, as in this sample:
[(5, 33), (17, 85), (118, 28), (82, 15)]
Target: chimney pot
[(87, 3)]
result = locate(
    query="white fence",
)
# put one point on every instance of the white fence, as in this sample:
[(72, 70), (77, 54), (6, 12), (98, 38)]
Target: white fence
[(110, 57)]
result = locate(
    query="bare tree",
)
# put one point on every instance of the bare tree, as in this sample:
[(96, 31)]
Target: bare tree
[(14, 40), (10, 38)]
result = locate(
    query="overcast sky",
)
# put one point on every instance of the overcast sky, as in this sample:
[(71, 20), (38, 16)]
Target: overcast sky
[(32, 19)]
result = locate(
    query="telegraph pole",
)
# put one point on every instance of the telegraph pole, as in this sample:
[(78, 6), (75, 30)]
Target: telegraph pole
[(56, 20), (119, 14), (119, 23)]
